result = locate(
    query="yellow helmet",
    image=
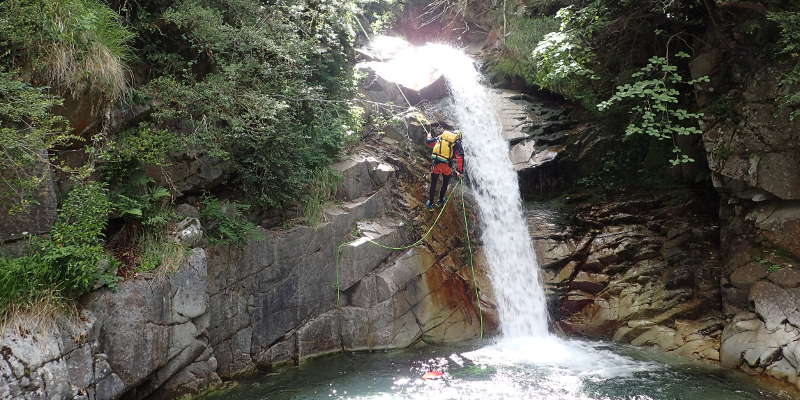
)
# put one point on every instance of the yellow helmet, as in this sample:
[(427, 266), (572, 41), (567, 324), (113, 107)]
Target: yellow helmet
[(454, 133)]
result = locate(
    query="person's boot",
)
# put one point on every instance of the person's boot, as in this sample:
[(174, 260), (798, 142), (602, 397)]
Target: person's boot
[(429, 205), (442, 202)]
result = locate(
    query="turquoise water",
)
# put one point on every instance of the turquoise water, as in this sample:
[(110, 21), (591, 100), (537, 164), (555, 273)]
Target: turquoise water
[(532, 369)]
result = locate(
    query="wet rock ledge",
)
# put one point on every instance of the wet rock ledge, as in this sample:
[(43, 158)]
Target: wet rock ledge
[(642, 268)]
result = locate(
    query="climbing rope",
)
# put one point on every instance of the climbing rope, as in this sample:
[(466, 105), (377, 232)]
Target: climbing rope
[(430, 230), (418, 242), (471, 264), (422, 239)]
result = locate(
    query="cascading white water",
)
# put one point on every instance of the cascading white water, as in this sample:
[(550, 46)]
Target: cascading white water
[(506, 241)]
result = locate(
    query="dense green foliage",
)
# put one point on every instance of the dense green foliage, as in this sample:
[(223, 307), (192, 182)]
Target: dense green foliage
[(262, 85), (524, 33), (136, 146), (789, 22), (577, 61), (138, 198), (53, 48), (27, 130), (630, 60), (244, 81), (563, 60), (68, 263)]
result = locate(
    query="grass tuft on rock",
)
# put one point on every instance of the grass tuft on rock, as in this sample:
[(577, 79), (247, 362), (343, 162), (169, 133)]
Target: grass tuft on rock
[(67, 264), (80, 47)]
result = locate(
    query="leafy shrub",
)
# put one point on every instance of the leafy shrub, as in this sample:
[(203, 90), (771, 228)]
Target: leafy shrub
[(83, 215), (145, 210), (524, 34), (562, 59), (27, 131), (654, 101), (224, 222), (78, 46), (70, 262), (253, 85), (141, 200), (789, 22), (142, 145)]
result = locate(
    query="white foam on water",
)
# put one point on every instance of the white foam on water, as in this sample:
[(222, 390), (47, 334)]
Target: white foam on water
[(543, 368), (576, 358)]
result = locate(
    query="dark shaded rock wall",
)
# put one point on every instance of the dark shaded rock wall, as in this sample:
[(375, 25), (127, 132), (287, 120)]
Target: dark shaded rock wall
[(753, 151), (713, 277), (641, 268)]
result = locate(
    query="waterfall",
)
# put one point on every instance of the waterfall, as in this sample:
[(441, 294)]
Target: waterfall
[(514, 270)]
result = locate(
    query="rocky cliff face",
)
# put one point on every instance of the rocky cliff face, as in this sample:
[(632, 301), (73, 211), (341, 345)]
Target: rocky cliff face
[(706, 278), (231, 310), (641, 269), (754, 155)]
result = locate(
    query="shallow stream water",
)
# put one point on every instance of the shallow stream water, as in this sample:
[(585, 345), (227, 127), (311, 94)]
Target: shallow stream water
[(519, 369)]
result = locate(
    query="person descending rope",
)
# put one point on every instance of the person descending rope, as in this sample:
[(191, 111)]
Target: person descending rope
[(447, 151)]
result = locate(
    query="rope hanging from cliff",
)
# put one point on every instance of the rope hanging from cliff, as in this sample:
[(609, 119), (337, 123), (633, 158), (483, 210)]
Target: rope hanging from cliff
[(471, 264), (417, 243), (435, 222), (422, 239)]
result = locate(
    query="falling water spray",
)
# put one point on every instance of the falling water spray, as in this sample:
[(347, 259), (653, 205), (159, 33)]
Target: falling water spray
[(507, 246)]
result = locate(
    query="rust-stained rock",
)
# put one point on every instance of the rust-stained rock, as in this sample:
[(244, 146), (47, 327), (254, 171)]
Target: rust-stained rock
[(748, 274)]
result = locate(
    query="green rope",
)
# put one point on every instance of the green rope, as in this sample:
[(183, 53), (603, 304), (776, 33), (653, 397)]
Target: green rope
[(471, 264), (422, 239), (425, 236)]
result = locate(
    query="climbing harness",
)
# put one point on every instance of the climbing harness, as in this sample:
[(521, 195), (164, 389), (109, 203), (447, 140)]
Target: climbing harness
[(418, 242)]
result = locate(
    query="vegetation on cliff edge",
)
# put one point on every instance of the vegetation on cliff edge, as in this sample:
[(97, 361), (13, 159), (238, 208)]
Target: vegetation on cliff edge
[(105, 97)]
